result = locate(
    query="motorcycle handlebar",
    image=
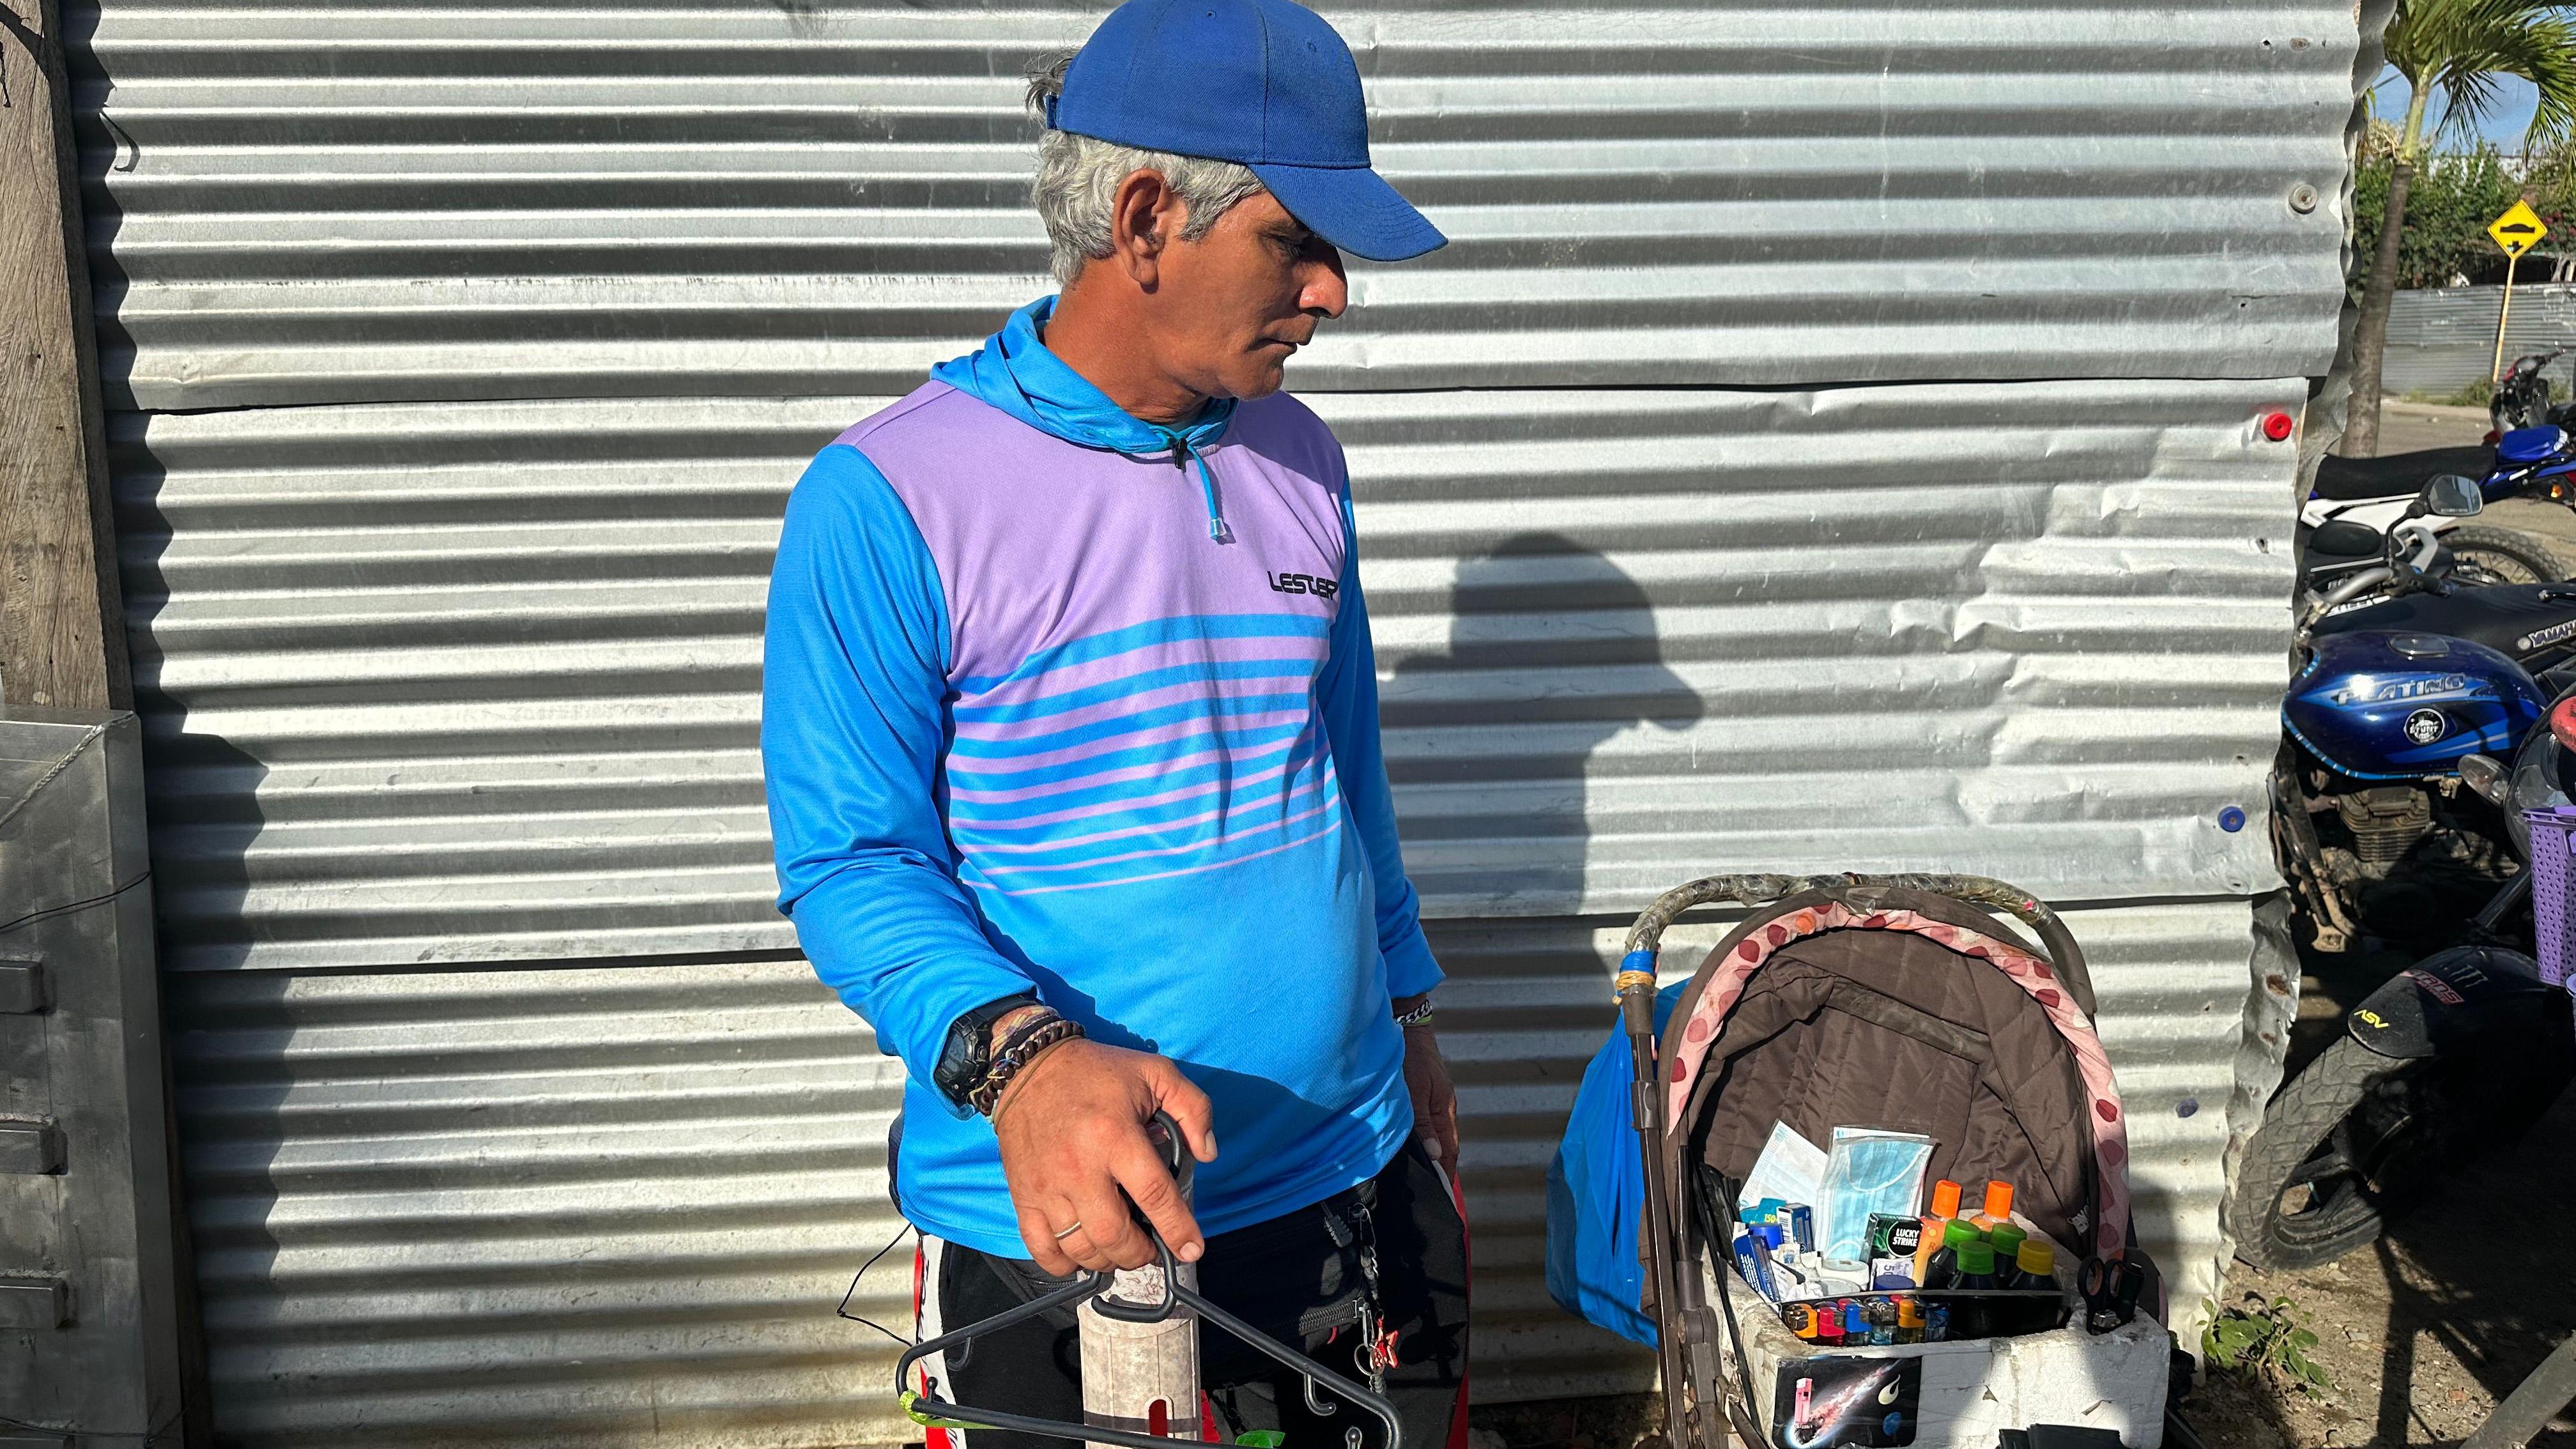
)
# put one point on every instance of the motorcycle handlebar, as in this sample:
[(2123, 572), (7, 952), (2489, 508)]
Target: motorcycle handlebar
[(2426, 552)]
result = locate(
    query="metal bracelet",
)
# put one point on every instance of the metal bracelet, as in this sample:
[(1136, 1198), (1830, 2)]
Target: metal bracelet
[(1418, 1016)]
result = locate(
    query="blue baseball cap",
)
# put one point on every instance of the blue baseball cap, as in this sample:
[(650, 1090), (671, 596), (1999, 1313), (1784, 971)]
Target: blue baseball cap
[(1264, 83)]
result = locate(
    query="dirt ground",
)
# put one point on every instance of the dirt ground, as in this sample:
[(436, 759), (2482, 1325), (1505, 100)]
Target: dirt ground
[(2427, 1329), (2423, 1332)]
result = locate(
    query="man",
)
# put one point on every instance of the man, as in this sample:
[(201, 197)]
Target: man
[(1070, 726)]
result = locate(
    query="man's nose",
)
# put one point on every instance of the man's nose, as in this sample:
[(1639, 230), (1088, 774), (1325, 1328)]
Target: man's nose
[(1325, 289)]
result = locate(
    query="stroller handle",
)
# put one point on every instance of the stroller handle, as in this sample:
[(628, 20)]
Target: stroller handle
[(2055, 941)]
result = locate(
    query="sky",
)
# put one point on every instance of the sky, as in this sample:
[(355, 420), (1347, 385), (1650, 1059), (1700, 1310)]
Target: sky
[(2504, 126)]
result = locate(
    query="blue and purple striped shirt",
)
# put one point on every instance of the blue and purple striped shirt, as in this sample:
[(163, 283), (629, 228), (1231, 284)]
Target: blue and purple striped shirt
[(1058, 701)]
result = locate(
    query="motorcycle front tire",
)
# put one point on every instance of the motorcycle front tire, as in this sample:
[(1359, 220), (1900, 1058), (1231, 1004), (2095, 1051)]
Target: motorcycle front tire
[(2501, 556), (2299, 1119)]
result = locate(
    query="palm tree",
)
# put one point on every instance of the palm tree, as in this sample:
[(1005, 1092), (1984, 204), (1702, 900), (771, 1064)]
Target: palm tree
[(2456, 48)]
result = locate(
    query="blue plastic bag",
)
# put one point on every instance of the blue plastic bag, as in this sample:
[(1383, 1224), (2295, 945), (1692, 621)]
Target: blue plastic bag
[(1596, 1191)]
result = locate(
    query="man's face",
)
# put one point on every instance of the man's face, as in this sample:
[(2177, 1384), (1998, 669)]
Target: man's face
[(1232, 306)]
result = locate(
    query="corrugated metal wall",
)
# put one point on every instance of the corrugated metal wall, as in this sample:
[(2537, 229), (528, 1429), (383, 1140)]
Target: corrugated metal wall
[(2441, 340), (479, 682), (363, 202), (469, 351), (614, 1206)]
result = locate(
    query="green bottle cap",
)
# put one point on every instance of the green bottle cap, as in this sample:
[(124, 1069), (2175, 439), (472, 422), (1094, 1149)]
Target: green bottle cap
[(1976, 1258), (1959, 1232), (2007, 1238)]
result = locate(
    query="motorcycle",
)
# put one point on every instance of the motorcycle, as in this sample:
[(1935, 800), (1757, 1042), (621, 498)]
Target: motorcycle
[(2376, 492), (2455, 1056), (2398, 674), (2521, 397)]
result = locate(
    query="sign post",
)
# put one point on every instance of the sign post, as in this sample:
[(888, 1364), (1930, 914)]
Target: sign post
[(2517, 231)]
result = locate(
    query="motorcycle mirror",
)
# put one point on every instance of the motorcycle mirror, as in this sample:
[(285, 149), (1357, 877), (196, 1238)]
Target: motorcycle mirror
[(2453, 496), (2482, 774)]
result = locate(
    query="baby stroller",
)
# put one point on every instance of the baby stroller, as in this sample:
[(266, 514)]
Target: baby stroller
[(1894, 1003)]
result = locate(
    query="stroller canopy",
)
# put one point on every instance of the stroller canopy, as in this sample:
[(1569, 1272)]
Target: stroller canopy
[(1869, 1005)]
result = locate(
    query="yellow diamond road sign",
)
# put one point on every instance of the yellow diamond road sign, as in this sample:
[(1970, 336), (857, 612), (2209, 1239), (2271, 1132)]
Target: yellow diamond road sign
[(2518, 230)]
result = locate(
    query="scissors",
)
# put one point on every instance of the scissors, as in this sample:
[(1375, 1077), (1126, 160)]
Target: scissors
[(2111, 1288)]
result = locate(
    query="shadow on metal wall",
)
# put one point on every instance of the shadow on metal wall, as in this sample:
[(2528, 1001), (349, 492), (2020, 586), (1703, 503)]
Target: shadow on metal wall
[(1552, 648)]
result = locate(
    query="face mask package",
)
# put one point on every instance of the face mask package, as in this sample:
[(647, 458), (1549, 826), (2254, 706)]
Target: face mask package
[(1791, 1168), (1868, 1171)]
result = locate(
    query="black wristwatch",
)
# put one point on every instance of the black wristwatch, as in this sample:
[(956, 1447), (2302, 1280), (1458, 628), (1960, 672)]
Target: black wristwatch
[(969, 1048)]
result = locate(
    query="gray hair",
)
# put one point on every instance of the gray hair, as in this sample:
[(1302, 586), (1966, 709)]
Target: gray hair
[(1078, 176)]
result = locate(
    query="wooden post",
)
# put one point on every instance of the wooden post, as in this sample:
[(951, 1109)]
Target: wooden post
[(2512, 263), (62, 626)]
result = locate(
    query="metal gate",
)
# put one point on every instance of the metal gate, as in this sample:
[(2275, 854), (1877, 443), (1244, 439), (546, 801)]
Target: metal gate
[(1829, 443)]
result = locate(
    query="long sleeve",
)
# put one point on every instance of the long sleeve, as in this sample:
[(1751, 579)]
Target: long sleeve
[(1348, 693), (851, 725)]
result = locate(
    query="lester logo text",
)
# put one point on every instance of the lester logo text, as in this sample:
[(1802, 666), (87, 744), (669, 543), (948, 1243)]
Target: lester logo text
[(1304, 584)]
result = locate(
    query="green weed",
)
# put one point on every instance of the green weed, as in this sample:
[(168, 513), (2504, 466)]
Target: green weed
[(2266, 1342)]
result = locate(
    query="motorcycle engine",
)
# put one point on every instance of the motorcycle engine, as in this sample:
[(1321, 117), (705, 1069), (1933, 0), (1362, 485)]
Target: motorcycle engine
[(2385, 823)]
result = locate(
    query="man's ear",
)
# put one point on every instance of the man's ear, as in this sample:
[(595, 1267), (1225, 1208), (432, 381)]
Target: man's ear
[(1145, 216)]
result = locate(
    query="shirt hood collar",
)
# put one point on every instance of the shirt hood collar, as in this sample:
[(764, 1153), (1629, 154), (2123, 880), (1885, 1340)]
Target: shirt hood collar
[(1013, 371)]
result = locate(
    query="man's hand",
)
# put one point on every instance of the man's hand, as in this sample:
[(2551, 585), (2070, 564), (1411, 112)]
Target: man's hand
[(1435, 1102), (1072, 1128)]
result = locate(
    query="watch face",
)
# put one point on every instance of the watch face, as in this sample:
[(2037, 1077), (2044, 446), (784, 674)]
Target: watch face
[(968, 1051)]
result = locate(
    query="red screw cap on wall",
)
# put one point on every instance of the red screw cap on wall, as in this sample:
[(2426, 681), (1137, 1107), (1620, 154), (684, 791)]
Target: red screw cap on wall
[(2278, 426)]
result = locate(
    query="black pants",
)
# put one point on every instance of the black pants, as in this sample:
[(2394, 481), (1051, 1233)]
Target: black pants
[(1296, 1277)]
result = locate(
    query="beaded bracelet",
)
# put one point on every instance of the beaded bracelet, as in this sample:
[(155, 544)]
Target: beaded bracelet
[(1022, 1047)]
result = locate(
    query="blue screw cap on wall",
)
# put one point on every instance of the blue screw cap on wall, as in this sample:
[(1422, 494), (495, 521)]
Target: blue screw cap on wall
[(2231, 819)]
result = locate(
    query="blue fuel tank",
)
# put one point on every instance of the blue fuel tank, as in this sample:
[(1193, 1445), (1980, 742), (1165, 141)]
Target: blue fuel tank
[(2389, 706)]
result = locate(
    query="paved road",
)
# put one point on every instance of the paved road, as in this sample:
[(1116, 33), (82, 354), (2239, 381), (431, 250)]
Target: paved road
[(2405, 427)]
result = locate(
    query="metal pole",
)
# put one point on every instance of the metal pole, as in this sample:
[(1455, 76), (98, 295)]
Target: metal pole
[(2527, 1410), (2495, 372), (1637, 1010)]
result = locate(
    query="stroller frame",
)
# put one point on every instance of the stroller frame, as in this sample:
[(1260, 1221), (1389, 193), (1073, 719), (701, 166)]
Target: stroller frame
[(1686, 1332)]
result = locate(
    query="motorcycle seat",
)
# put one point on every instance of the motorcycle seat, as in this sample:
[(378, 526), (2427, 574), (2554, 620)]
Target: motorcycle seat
[(2520, 621), (2344, 480), (2321, 545)]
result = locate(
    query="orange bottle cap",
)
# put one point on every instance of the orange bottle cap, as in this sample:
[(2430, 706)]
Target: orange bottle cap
[(1945, 1198), (1999, 1200)]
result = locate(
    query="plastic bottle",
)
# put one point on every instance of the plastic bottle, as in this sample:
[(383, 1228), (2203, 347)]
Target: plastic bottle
[(1976, 1275), (1945, 1206), (2035, 1266), (1943, 1270), (2007, 1238), (1999, 1196)]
